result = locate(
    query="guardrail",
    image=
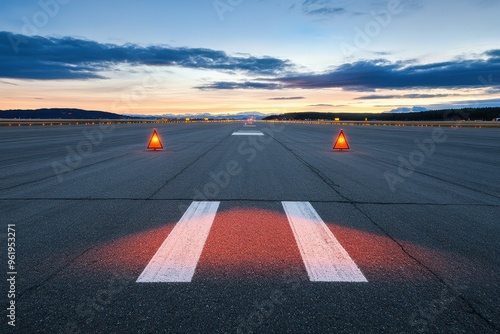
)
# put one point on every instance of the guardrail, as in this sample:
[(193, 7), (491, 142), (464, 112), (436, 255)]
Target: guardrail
[(61, 122), (451, 124)]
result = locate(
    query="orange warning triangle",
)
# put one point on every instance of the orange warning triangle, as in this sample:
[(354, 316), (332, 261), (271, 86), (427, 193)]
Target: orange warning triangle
[(341, 143), (155, 142)]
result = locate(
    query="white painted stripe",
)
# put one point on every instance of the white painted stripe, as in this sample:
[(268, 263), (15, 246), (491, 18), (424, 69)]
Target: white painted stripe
[(324, 257), (178, 256), (242, 133)]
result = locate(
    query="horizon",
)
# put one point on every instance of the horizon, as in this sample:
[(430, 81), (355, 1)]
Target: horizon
[(201, 57)]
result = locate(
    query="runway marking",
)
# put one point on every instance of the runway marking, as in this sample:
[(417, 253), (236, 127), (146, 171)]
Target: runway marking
[(178, 256), (324, 257), (247, 133)]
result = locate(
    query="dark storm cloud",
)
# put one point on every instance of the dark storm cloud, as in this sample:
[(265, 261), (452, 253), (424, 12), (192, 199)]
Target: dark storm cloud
[(383, 74), (46, 58)]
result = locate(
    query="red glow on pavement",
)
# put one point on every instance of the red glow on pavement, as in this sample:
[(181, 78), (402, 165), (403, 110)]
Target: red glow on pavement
[(129, 254), (381, 259), (248, 244)]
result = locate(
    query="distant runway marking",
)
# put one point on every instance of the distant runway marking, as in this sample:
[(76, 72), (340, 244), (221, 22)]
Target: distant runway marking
[(178, 256), (247, 133), (324, 257)]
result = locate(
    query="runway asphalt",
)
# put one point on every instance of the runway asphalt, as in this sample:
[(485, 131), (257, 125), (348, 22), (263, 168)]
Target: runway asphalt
[(416, 209)]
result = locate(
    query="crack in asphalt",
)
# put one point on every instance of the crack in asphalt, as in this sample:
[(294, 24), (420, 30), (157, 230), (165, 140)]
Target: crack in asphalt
[(315, 171), (334, 187), (471, 306), (384, 163), (55, 176), (54, 273), (189, 165), (69, 262), (91, 199)]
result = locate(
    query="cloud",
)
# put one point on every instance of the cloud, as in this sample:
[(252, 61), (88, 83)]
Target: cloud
[(228, 85), (287, 98), (372, 75), (495, 102), (401, 110), (8, 83), (495, 90), (383, 74), (382, 53), (321, 7), (322, 105), (406, 96), (358, 89), (48, 58), (486, 3), (328, 8)]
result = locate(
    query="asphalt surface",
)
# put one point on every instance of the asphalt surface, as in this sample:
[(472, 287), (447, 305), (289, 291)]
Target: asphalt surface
[(91, 206)]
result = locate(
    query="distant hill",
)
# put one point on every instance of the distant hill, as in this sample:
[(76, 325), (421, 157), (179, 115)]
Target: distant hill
[(60, 113), (481, 114), (65, 113), (486, 114)]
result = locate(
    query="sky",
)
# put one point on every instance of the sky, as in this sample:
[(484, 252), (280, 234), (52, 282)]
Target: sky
[(270, 56)]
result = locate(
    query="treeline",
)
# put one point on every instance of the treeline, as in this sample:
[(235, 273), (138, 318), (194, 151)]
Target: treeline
[(59, 113), (473, 114)]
